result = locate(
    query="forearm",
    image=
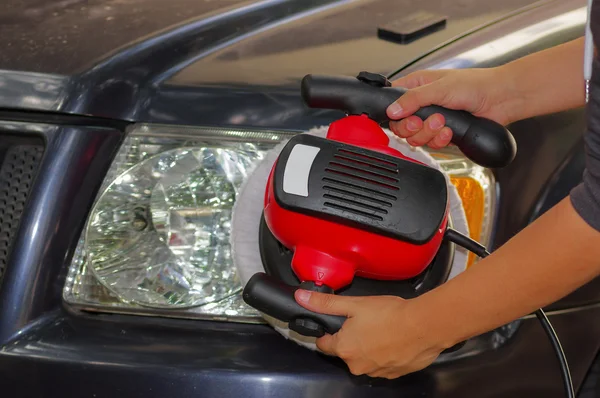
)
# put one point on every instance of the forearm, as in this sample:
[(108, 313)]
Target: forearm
[(550, 258), (547, 81)]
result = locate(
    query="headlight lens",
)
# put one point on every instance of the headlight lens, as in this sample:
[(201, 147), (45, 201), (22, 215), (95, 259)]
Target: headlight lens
[(159, 234), (157, 239)]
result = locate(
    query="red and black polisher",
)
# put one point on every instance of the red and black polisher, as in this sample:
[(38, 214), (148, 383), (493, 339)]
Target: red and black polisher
[(349, 206)]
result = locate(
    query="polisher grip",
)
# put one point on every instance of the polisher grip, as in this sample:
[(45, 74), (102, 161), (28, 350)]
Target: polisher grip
[(482, 140), (276, 299)]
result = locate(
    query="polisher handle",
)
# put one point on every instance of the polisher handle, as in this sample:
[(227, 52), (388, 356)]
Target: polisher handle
[(482, 140), (275, 298)]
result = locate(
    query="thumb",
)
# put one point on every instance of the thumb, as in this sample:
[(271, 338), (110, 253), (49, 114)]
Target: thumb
[(415, 99), (409, 81), (419, 78), (326, 303)]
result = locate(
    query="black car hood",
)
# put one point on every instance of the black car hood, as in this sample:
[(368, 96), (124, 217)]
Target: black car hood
[(111, 57), (66, 36)]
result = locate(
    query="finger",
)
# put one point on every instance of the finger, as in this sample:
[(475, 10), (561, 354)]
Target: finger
[(399, 371), (357, 368), (442, 139), (418, 78), (378, 373), (431, 128), (327, 303), (407, 127), (415, 99), (327, 344), (387, 373), (409, 81)]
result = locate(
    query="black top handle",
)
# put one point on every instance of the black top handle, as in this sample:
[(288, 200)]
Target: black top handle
[(485, 142)]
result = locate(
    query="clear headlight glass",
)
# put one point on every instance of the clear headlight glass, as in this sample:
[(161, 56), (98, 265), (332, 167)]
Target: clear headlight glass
[(157, 239), (162, 227)]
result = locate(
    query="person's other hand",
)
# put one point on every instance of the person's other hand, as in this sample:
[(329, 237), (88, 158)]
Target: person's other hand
[(384, 336), (484, 92)]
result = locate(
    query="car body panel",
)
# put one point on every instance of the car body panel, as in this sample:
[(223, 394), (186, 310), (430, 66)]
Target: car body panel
[(177, 76), (111, 355), (66, 37), (74, 164), (117, 77)]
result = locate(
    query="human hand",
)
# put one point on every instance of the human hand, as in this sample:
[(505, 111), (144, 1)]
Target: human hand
[(486, 92), (384, 336)]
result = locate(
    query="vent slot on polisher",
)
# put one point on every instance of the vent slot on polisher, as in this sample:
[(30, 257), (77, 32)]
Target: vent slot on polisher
[(361, 170), (365, 189)]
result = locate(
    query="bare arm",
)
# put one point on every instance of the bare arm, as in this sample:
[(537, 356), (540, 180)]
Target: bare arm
[(540, 83), (550, 258), (547, 81)]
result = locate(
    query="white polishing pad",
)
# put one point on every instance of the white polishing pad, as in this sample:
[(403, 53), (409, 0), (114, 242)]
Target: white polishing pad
[(249, 206)]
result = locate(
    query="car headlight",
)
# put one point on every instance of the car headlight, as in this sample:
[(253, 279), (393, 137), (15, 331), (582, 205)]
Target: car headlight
[(157, 239)]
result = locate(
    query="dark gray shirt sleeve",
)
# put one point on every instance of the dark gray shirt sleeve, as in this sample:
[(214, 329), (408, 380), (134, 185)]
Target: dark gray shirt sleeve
[(586, 196)]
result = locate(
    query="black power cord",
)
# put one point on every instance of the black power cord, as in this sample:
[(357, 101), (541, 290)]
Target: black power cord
[(479, 250)]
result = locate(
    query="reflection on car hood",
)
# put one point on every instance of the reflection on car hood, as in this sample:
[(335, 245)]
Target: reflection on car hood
[(66, 36), (339, 40), (109, 57)]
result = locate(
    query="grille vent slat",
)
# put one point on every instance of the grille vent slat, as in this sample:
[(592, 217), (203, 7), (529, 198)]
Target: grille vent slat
[(17, 172), (354, 211), (371, 159), (367, 173), (359, 188), (358, 195), (362, 184), (363, 169), (358, 179), (365, 164), (355, 203)]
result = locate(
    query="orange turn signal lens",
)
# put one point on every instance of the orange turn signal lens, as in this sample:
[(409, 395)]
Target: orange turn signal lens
[(473, 197)]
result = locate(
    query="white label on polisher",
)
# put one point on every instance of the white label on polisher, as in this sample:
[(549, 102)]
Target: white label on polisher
[(297, 169)]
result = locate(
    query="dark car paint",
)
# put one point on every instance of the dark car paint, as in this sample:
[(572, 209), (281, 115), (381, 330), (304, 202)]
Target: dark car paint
[(117, 356), (72, 169), (49, 350), (118, 78), (65, 37)]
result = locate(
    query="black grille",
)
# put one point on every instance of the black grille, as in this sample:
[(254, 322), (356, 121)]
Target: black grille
[(363, 185), (17, 172)]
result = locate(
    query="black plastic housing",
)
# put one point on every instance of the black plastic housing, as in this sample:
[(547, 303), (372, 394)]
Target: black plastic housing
[(365, 189)]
